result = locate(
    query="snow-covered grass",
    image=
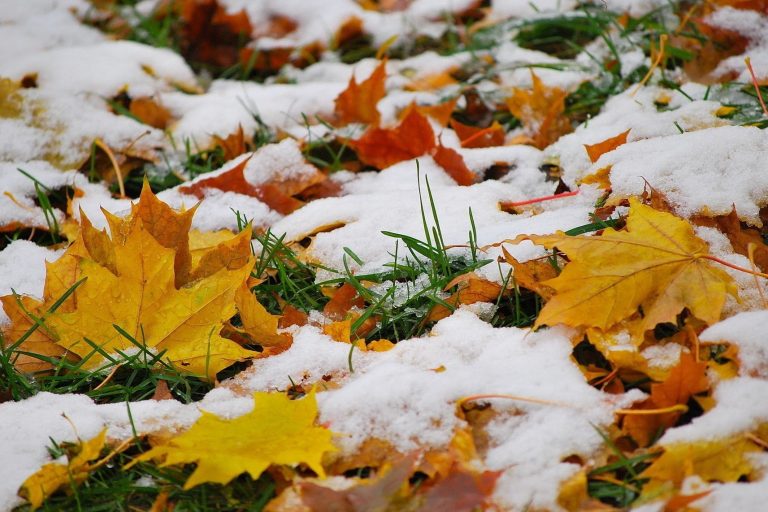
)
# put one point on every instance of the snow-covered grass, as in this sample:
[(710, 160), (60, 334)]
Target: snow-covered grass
[(74, 141)]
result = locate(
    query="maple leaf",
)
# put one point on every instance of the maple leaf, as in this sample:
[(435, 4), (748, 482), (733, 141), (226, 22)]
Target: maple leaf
[(740, 236), (277, 193), (686, 379), (357, 103), (541, 112), (595, 151), (55, 475), (139, 286), (278, 431), (454, 165), (658, 265), (383, 147), (440, 112), (475, 137), (722, 460)]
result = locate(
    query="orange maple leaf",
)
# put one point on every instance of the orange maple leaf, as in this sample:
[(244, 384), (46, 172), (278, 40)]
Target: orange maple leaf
[(277, 194), (357, 103), (475, 137), (383, 147), (453, 163), (686, 379), (595, 151)]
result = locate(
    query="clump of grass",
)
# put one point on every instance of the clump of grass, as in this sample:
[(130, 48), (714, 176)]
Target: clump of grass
[(619, 483)]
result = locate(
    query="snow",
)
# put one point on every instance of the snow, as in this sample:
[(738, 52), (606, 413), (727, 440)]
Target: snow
[(406, 396), (90, 69), (695, 175), (745, 330)]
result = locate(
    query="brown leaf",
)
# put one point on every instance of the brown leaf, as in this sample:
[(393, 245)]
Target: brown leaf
[(357, 103), (383, 147), (739, 236), (211, 34), (462, 491), (161, 391), (372, 495), (343, 300)]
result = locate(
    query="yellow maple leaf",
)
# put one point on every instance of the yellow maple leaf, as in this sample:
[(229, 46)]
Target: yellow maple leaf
[(657, 264), (143, 280), (278, 431), (55, 475), (722, 460)]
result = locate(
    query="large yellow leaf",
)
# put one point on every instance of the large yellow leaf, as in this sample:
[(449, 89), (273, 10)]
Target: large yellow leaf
[(722, 460), (131, 281), (141, 298), (657, 265), (55, 475), (277, 431)]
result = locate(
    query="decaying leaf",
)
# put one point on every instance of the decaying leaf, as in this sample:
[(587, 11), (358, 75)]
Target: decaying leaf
[(278, 431), (656, 264), (686, 379), (357, 103), (55, 475)]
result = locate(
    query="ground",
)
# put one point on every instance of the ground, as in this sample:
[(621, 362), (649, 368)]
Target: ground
[(383, 255)]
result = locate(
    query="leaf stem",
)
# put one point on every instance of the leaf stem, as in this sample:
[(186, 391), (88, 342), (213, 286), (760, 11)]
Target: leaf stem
[(541, 401), (748, 62), (540, 199), (731, 265), (646, 412)]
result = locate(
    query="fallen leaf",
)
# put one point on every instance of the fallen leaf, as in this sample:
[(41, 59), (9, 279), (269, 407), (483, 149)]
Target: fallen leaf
[(595, 151), (257, 322), (149, 112), (739, 236), (722, 460), (211, 34), (278, 431), (680, 502), (655, 264), (374, 494), (440, 112), (357, 103), (130, 281), (531, 274), (453, 164), (339, 330), (233, 144), (686, 379), (383, 147), (463, 490), (55, 475), (476, 137), (540, 109), (472, 288), (344, 298), (277, 191)]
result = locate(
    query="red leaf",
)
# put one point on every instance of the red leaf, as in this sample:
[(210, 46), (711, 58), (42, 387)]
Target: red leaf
[(474, 137), (453, 163)]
